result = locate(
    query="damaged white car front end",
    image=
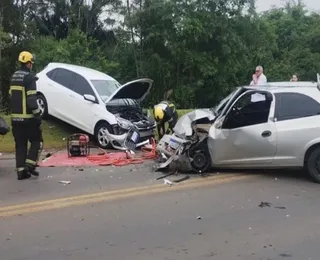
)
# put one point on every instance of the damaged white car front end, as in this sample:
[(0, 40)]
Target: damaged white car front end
[(128, 139), (186, 149)]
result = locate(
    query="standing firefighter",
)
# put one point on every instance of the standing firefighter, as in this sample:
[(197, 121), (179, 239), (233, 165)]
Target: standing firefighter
[(165, 112), (25, 117)]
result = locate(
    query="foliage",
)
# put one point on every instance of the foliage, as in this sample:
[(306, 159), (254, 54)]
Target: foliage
[(77, 49), (199, 48)]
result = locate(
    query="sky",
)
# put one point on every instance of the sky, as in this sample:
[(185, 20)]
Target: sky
[(263, 5)]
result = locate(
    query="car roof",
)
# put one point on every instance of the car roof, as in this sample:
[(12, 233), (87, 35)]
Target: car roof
[(88, 73), (307, 87)]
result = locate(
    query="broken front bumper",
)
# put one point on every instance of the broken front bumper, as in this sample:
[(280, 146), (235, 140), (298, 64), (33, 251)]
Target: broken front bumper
[(126, 141), (172, 151)]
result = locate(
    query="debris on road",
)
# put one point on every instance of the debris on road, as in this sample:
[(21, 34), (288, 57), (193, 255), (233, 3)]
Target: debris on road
[(264, 204), (182, 179), (165, 176), (65, 182), (198, 217), (280, 207), (167, 182), (49, 177)]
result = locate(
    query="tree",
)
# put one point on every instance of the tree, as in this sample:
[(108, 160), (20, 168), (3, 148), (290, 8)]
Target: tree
[(76, 49)]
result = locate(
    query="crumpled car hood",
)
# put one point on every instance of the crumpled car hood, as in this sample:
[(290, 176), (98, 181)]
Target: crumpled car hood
[(183, 128)]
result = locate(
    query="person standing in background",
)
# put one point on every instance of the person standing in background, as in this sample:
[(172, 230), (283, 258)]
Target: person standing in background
[(294, 78), (258, 78)]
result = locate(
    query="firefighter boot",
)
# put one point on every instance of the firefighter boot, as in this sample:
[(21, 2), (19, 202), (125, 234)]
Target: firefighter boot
[(23, 174), (32, 170)]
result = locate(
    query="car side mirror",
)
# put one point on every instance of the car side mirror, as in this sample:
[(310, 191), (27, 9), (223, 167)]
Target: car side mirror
[(90, 98)]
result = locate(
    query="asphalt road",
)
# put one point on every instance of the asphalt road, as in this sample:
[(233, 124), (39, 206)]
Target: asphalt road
[(124, 213)]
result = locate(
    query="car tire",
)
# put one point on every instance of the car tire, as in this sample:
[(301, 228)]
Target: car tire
[(43, 105), (201, 160), (101, 141), (313, 165)]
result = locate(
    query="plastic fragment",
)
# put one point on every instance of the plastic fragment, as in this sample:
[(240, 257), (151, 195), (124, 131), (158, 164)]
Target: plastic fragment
[(167, 182), (65, 182)]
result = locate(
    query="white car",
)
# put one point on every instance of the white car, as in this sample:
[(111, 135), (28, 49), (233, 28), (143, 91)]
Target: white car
[(96, 103), (273, 126)]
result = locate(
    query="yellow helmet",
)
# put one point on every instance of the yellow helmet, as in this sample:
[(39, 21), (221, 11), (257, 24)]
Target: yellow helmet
[(158, 113), (25, 57)]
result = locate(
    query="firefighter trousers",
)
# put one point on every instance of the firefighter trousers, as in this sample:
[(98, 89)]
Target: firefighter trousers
[(24, 132)]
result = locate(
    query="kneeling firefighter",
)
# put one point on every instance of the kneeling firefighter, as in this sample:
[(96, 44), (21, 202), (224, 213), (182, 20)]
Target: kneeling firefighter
[(25, 117), (165, 112)]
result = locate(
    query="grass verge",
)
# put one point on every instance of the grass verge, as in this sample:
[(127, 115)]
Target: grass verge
[(54, 131), (54, 134)]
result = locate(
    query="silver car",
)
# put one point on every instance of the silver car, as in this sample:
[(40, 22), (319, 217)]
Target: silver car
[(271, 126)]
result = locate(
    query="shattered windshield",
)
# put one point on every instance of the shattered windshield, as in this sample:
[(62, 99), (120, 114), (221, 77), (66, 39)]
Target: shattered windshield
[(105, 88)]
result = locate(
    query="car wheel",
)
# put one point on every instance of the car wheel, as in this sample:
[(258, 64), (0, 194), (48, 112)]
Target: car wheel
[(200, 158), (313, 165), (43, 105), (100, 137)]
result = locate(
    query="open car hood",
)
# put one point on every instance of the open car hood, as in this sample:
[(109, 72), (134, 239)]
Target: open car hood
[(136, 89), (183, 127)]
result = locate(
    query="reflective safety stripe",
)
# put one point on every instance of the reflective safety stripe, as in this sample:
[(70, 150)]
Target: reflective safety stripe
[(31, 162), (36, 111), (21, 116), (17, 88), (24, 102), (20, 169), (173, 106), (31, 92)]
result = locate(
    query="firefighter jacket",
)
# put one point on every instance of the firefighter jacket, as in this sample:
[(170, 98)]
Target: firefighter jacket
[(169, 110), (22, 93), (170, 116)]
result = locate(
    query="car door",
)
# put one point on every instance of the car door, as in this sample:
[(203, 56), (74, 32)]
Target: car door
[(84, 113), (297, 126), (59, 93), (246, 136)]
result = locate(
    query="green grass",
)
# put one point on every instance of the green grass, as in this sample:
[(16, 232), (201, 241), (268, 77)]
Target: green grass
[(54, 134), (54, 131)]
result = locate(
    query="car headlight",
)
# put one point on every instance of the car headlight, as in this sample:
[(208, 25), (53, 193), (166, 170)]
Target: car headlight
[(124, 123)]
